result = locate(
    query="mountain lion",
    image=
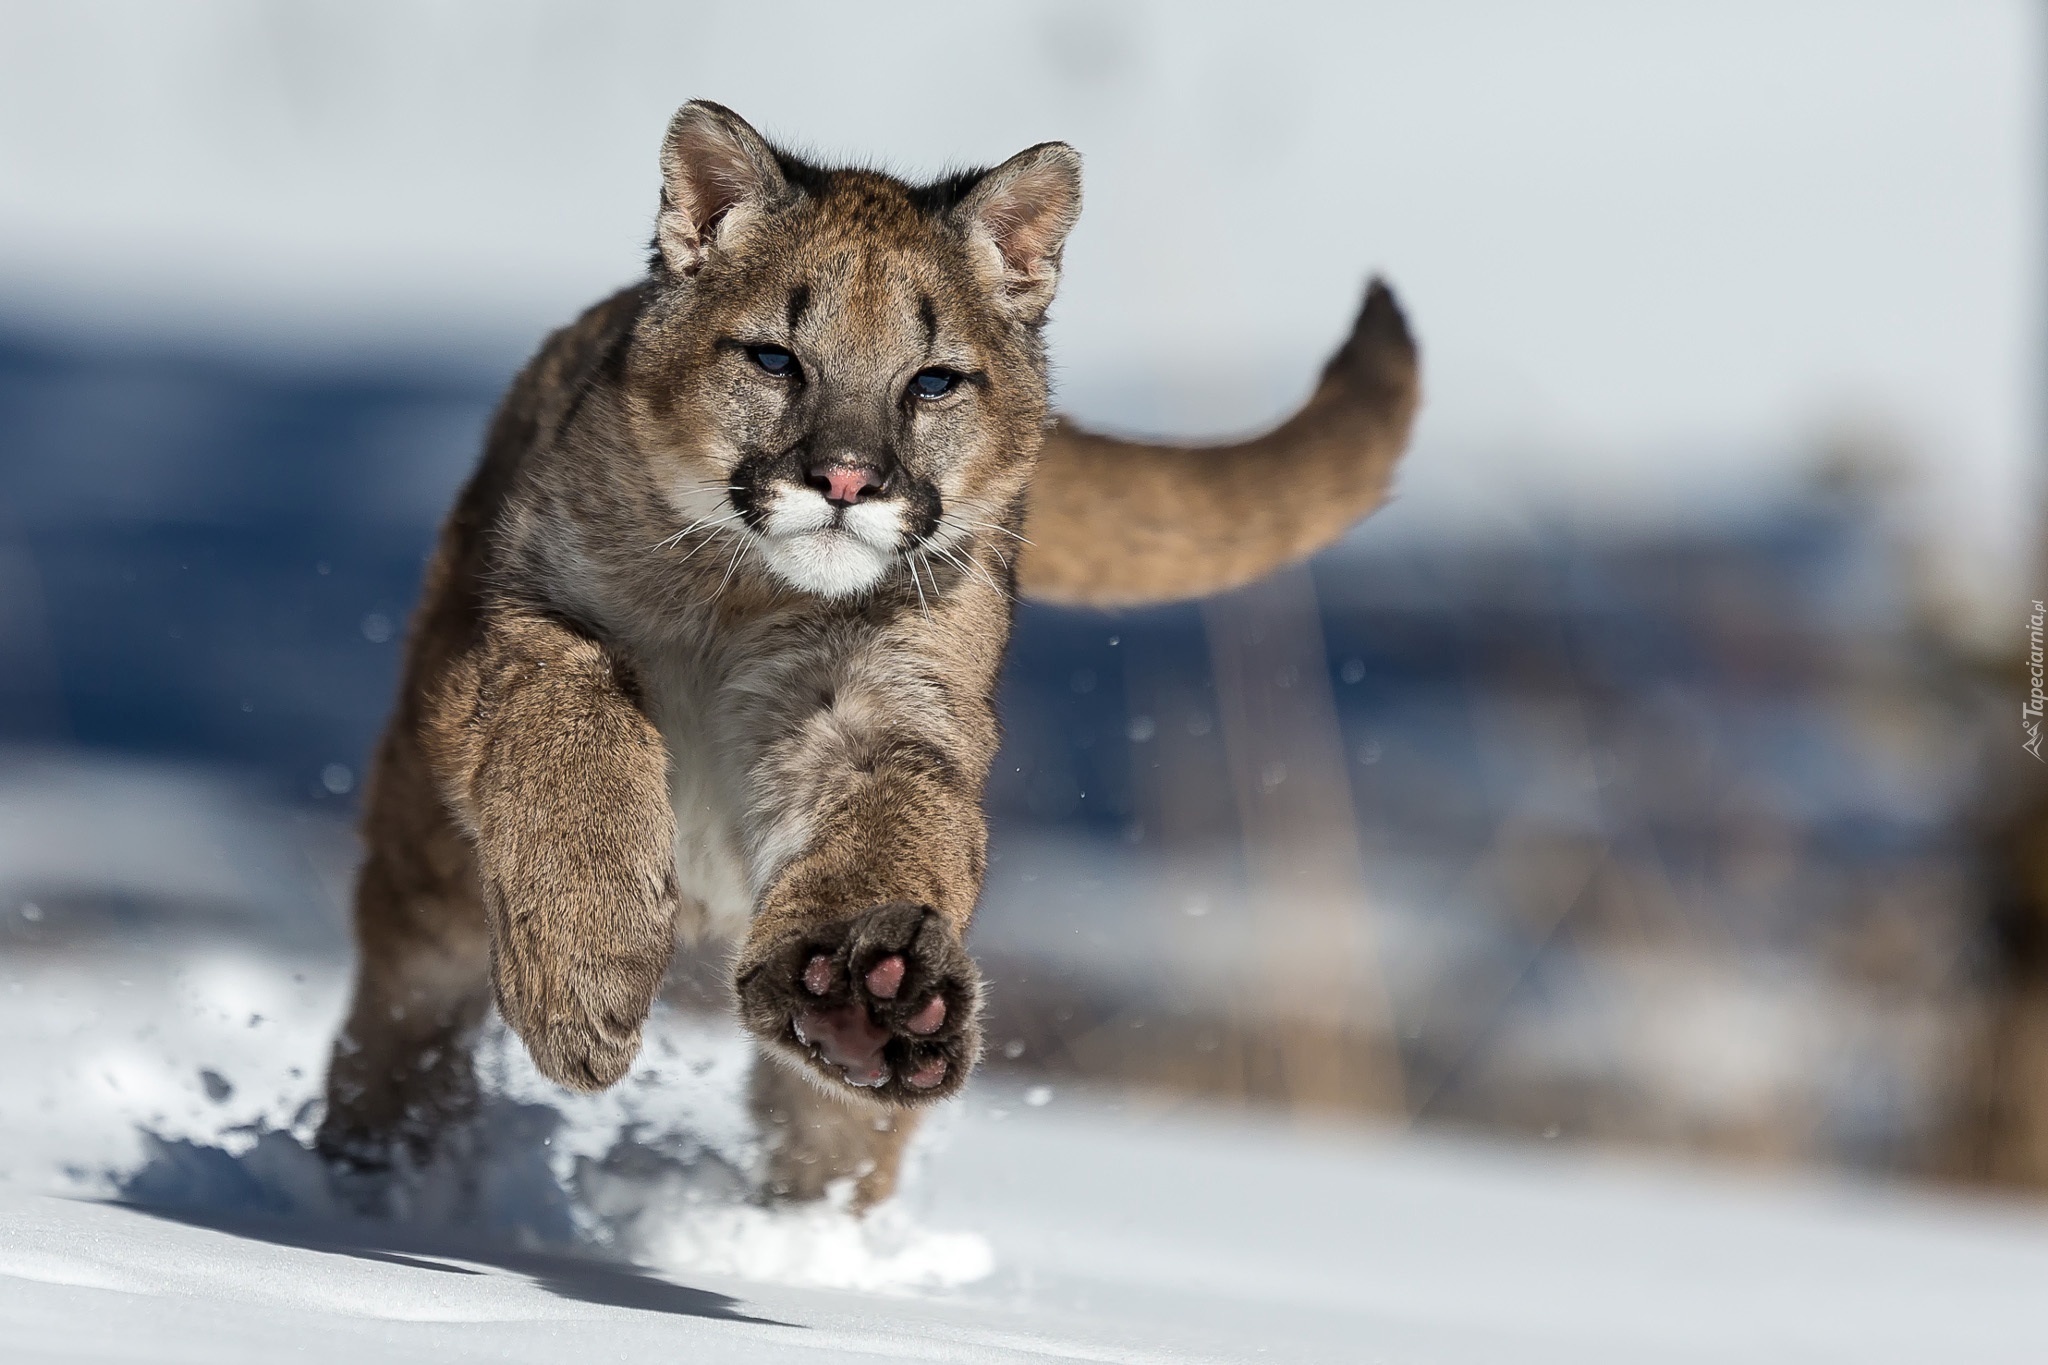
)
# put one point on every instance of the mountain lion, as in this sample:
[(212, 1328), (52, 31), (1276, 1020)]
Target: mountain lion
[(710, 641)]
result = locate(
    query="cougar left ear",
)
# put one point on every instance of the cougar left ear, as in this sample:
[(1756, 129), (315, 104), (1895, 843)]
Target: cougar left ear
[(1023, 210), (716, 173)]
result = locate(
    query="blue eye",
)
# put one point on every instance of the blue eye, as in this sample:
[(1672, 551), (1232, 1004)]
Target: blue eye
[(934, 383), (774, 359)]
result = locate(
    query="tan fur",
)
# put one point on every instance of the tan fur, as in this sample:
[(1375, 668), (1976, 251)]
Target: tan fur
[(1120, 523), (673, 673)]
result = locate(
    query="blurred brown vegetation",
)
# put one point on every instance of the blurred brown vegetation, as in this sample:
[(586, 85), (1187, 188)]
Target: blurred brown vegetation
[(1704, 875)]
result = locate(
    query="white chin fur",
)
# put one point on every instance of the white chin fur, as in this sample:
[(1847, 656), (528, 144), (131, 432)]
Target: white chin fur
[(828, 563), (806, 551)]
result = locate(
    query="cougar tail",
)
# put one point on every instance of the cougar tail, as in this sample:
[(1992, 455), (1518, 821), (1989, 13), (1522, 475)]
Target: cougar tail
[(1123, 523)]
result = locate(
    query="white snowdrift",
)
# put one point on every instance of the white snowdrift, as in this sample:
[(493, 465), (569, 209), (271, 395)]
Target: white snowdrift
[(1074, 1229), (157, 1201)]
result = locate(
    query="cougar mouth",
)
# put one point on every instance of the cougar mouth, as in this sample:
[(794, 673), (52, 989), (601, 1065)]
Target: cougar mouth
[(834, 527), (826, 548)]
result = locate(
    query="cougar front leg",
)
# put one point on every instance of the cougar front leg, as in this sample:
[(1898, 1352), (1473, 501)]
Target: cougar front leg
[(564, 784), (853, 970)]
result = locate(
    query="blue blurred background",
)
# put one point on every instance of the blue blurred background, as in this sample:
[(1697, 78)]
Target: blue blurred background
[(1623, 780)]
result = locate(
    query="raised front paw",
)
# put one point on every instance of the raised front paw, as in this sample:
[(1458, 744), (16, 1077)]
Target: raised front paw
[(579, 1004), (887, 1001)]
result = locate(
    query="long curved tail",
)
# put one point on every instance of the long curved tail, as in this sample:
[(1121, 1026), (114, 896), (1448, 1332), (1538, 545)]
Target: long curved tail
[(1123, 523)]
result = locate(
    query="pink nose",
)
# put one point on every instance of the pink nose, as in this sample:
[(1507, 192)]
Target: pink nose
[(845, 484)]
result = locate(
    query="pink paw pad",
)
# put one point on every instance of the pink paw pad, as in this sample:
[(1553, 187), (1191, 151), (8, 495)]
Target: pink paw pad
[(818, 975), (885, 978), (928, 1019), (929, 1074), (846, 1038)]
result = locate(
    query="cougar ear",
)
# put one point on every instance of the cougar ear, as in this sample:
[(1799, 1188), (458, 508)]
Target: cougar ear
[(1022, 210), (716, 173)]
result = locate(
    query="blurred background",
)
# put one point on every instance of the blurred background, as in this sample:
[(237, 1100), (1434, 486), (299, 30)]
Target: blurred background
[(1648, 773)]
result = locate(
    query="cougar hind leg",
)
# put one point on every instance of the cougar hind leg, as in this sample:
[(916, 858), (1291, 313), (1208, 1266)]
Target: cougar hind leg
[(813, 1139), (402, 1073)]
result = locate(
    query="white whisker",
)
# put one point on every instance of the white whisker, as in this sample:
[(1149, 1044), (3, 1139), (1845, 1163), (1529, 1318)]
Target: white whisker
[(737, 551), (710, 539), (974, 566), (910, 563), (701, 521), (995, 550), (989, 526), (967, 566)]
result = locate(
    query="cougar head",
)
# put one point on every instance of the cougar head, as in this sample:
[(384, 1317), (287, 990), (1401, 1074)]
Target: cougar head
[(838, 367)]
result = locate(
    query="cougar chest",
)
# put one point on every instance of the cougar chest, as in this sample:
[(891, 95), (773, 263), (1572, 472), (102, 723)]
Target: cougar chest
[(730, 705), (706, 788)]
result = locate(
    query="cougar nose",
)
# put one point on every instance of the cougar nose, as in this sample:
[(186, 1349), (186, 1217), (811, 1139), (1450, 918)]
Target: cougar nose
[(845, 484)]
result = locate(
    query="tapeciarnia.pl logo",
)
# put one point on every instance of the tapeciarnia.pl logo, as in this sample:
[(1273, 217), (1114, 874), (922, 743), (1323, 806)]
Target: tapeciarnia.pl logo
[(2037, 700)]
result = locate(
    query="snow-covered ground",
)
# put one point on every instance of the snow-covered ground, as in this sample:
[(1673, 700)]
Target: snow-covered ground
[(1114, 1236), (170, 973)]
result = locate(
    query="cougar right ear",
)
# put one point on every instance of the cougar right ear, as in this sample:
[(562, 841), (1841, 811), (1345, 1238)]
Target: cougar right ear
[(716, 173)]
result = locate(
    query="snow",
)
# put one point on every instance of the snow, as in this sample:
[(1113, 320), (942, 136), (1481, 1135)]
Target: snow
[(170, 974), (158, 1204), (1118, 1237)]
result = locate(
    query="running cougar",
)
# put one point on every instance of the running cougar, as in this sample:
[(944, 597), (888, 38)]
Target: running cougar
[(710, 640)]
